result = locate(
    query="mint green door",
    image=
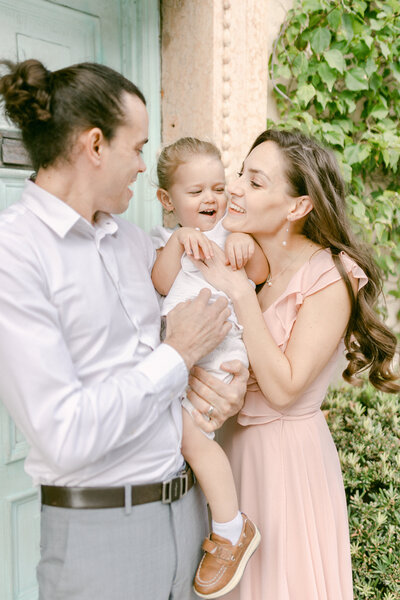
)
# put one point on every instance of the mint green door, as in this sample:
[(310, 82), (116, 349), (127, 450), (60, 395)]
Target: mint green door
[(123, 34)]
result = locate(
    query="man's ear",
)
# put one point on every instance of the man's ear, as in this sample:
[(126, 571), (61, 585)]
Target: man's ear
[(164, 198), (302, 206), (93, 142)]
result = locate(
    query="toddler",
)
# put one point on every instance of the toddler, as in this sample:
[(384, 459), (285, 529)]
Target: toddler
[(191, 183)]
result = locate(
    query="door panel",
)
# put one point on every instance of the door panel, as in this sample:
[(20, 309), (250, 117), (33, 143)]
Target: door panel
[(56, 35), (124, 34)]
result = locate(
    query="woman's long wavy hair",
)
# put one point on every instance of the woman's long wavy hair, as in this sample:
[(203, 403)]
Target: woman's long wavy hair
[(313, 171)]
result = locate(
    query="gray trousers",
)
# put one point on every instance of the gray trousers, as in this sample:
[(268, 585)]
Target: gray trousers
[(150, 553)]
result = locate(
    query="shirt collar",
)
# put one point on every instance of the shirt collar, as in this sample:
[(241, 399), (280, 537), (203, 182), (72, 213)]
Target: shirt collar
[(59, 216)]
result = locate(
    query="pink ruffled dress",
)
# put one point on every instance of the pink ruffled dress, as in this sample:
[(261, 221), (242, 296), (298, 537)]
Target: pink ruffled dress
[(288, 474)]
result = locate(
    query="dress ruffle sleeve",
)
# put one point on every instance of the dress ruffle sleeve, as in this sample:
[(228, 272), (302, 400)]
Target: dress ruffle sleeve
[(319, 272)]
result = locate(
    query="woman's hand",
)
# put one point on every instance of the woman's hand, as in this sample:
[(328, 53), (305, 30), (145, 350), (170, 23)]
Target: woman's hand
[(222, 276), (195, 243)]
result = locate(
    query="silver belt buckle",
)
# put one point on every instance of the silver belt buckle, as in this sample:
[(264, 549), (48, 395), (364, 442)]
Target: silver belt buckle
[(174, 488)]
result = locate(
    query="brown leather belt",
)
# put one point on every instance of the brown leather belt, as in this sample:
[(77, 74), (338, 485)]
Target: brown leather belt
[(114, 497)]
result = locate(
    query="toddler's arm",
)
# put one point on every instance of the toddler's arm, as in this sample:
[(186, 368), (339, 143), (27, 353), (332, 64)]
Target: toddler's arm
[(241, 250), (168, 261)]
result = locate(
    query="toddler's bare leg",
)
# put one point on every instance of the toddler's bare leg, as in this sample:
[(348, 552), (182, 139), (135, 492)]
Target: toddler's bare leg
[(212, 469)]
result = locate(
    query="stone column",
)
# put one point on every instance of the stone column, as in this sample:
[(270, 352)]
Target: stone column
[(214, 73)]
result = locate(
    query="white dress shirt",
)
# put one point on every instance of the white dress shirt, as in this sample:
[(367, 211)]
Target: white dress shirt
[(83, 373)]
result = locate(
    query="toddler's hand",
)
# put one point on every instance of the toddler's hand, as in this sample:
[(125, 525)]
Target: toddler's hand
[(239, 248), (195, 243)]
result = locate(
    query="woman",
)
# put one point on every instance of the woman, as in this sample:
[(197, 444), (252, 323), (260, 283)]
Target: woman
[(317, 298)]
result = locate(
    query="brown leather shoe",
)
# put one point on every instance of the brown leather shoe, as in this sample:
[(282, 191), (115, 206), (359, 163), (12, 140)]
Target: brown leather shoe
[(223, 563)]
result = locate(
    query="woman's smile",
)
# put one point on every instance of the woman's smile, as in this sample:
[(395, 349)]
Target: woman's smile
[(235, 208)]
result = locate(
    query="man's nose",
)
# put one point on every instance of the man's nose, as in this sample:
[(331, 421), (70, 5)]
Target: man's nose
[(142, 165)]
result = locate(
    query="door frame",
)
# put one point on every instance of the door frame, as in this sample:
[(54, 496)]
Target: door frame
[(144, 68)]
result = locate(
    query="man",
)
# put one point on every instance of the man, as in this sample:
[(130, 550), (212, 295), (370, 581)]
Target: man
[(83, 373)]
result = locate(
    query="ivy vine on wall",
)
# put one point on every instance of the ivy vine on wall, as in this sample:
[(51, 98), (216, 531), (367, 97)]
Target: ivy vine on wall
[(336, 75)]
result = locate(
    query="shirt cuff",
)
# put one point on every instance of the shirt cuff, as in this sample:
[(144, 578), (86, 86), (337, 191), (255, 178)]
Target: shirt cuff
[(165, 363)]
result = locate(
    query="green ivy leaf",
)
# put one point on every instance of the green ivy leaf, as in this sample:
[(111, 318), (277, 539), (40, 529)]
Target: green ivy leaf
[(347, 21), (322, 98), (311, 5), (327, 75), (358, 209), (391, 158), (305, 93), (377, 25), (360, 6), (335, 60), (395, 68), (292, 33), (370, 66), (320, 39), (379, 111), (334, 138), (347, 172), (345, 124), (346, 99), (282, 71), (334, 19), (300, 64), (356, 153), (361, 50), (379, 229), (356, 79), (384, 48), (368, 39), (375, 82), (387, 124)]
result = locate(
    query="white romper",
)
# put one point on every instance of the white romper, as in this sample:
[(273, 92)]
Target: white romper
[(187, 286)]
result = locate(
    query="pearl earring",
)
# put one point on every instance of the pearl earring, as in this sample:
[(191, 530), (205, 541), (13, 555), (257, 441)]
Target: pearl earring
[(284, 243)]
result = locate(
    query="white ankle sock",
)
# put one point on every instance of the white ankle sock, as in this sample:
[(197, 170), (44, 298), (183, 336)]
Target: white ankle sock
[(230, 530)]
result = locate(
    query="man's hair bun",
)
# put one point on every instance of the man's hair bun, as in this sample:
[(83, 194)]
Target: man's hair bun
[(26, 92)]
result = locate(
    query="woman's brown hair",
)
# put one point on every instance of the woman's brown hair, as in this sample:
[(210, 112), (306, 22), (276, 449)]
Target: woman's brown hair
[(313, 171), (52, 107)]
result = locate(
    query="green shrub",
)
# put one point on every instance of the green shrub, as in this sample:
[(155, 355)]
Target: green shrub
[(365, 426), (336, 75)]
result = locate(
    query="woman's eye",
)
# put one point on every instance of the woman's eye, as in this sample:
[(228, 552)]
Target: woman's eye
[(254, 184)]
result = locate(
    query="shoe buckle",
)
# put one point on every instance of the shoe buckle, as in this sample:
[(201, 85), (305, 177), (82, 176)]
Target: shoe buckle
[(174, 488)]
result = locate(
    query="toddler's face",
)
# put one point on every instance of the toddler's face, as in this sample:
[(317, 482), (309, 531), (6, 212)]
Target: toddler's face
[(198, 192)]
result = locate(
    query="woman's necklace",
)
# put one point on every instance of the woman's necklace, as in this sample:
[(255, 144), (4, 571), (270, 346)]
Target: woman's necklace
[(269, 281)]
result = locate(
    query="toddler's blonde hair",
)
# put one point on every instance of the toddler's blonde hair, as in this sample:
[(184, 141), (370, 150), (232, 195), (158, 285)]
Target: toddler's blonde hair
[(178, 153)]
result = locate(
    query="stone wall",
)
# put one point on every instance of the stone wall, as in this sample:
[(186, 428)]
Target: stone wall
[(215, 72)]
